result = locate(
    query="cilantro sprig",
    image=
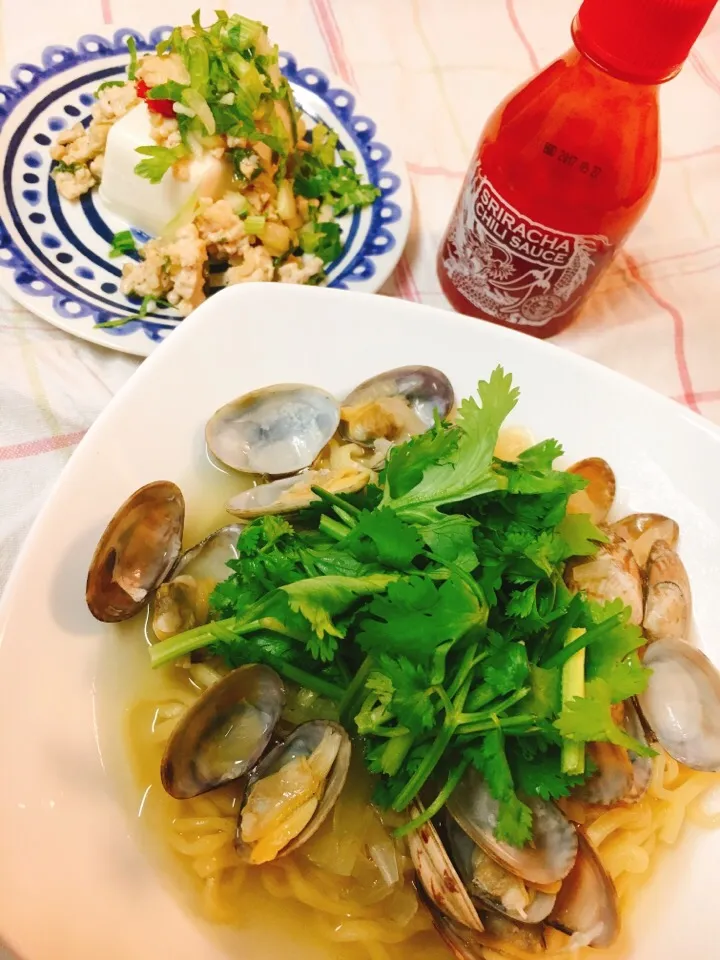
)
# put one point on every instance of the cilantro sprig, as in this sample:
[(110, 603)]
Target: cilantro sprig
[(433, 612)]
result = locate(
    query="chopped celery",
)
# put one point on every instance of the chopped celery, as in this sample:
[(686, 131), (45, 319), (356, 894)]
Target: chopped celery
[(573, 685), (255, 226)]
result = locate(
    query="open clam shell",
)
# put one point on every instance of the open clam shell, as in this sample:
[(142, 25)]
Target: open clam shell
[(224, 733), (641, 530), (622, 776), (611, 574), (598, 496), (302, 744), (668, 600), (396, 405), (546, 860), (136, 551), (681, 704), (181, 602), (587, 905), (494, 886), (276, 431), (291, 494), (437, 874)]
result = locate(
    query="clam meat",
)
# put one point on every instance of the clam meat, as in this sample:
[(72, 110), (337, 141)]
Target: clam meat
[(291, 494), (396, 405), (181, 602), (611, 574), (292, 790)]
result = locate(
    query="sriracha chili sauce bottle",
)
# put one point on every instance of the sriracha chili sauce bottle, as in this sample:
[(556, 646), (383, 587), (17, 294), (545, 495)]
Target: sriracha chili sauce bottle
[(565, 167)]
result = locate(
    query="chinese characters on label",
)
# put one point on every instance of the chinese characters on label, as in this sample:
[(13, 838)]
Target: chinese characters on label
[(571, 160)]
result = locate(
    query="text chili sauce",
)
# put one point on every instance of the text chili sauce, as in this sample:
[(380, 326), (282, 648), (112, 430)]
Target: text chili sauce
[(565, 167)]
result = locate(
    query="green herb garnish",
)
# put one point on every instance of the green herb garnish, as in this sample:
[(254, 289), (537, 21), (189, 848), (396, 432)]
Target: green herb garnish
[(122, 243), (432, 610), (159, 161)]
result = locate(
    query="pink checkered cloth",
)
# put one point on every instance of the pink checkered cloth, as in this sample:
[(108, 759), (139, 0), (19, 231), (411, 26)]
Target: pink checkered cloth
[(433, 69)]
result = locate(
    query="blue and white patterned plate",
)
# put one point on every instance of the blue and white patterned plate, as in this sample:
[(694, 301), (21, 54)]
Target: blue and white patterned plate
[(54, 253)]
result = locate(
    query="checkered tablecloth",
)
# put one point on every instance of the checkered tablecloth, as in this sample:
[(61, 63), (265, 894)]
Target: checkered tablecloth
[(433, 69)]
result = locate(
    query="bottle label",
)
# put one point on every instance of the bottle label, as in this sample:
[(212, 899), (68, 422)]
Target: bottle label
[(512, 268)]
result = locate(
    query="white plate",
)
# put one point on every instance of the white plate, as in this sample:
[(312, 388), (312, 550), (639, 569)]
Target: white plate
[(54, 253), (74, 882)]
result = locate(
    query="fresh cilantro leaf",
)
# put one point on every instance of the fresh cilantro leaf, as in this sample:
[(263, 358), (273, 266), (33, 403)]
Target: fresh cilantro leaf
[(541, 776), (121, 244), (468, 473), (159, 161), (407, 462), (580, 534), (625, 678), (514, 817), (319, 599), (417, 615), (170, 90), (589, 719), (507, 669), (380, 535), (451, 539), (540, 458), (408, 688)]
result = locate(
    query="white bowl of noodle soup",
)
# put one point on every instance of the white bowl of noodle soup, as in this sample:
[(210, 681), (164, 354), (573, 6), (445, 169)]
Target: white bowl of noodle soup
[(90, 862)]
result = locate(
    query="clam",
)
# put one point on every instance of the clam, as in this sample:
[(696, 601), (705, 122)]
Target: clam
[(668, 601), (292, 790), (181, 602), (437, 874), (611, 574), (468, 944), (396, 405), (135, 553), (293, 493), (587, 906), (641, 530), (224, 733), (598, 496), (276, 431), (622, 776), (486, 881), (681, 703), (547, 859)]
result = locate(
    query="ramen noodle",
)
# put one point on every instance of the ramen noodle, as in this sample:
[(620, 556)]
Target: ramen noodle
[(353, 906)]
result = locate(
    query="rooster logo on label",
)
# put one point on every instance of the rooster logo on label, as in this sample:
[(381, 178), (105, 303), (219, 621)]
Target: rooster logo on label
[(513, 268)]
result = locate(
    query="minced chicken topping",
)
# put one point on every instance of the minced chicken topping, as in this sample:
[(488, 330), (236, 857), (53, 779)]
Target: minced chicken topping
[(220, 91)]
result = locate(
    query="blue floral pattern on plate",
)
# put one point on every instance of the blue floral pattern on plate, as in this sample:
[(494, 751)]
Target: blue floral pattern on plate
[(54, 254)]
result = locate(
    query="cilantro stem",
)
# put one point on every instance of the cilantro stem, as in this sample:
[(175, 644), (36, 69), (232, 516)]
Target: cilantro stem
[(434, 754), (588, 637), (333, 528), (461, 575), (394, 753), (191, 640), (338, 503), (324, 687), (438, 803), (499, 707), (356, 686), (467, 665), (524, 722)]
